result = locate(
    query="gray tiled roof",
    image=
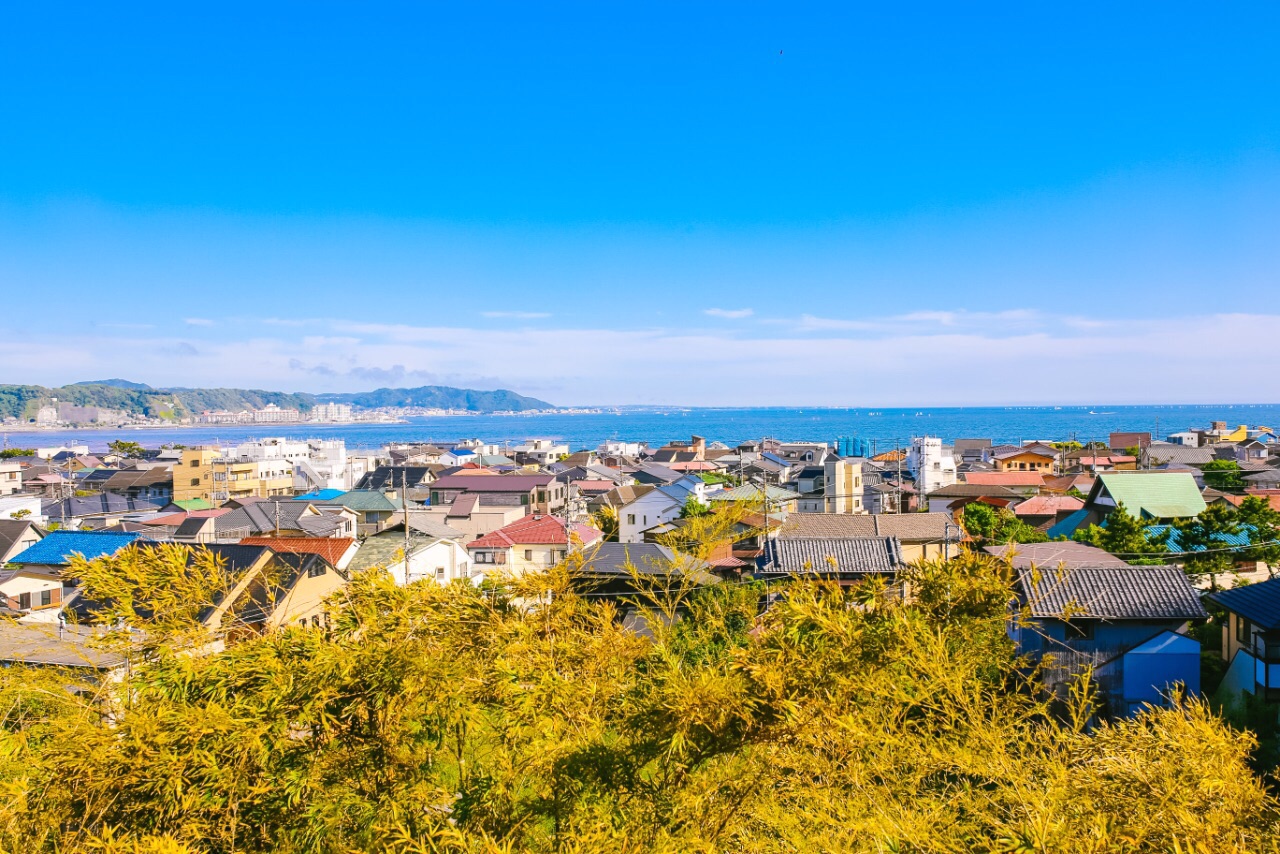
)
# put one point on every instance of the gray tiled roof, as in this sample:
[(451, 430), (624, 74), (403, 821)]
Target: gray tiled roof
[(1160, 453), (851, 555), (1110, 593), (907, 527)]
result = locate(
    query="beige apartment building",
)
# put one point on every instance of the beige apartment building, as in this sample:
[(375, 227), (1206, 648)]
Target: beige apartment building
[(207, 474)]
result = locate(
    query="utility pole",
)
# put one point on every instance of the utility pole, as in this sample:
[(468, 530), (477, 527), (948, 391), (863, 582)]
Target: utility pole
[(404, 505)]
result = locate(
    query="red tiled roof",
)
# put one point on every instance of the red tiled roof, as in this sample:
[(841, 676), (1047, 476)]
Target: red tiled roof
[(1005, 478), (1272, 497), (1048, 505), (331, 549), (535, 529)]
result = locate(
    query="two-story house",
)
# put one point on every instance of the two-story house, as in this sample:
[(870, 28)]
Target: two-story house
[(535, 543)]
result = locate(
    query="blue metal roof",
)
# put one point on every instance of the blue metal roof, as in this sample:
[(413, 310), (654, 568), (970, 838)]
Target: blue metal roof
[(1155, 532), (58, 546), (320, 495), (1067, 526)]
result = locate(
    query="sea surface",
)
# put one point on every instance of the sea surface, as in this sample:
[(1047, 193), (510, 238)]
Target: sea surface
[(656, 425)]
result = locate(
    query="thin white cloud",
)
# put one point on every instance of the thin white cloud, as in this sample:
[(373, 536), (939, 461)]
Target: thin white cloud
[(517, 315), (729, 313), (198, 321)]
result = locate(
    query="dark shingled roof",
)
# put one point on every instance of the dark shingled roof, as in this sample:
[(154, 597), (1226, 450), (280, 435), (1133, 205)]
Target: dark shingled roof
[(852, 555), (907, 527), (1257, 603), (1110, 593)]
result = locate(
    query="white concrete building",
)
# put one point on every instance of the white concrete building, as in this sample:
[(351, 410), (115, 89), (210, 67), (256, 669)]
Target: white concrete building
[(930, 465), (10, 478), (332, 412), (315, 463)]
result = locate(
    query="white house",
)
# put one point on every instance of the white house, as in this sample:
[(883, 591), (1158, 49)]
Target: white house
[(930, 465), (10, 478), (657, 506), (13, 507)]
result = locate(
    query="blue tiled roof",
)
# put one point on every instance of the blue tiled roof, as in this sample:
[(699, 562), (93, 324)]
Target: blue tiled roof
[(56, 548)]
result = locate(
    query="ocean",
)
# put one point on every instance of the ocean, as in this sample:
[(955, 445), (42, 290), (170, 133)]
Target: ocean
[(656, 425)]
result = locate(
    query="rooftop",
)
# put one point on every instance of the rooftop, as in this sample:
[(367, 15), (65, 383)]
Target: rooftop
[(1110, 593)]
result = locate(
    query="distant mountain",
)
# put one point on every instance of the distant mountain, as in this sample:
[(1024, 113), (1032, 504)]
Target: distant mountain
[(118, 383), (440, 397), (22, 401)]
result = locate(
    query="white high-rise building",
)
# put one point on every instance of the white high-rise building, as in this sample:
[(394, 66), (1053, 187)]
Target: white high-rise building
[(331, 412), (929, 465), (317, 463)]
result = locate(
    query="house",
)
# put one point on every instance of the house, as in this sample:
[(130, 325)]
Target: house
[(1163, 453), (772, 499), (1146, 495), (1044, 511), (1097, 616), (1250, 451), (23, 507), (154, 485), (539, 452), (655, 475), (1064, 554), (284, 518), (836, 486), (384, 478), (951, 498), (17, 535), (97, 511), (843, 559), (1081, 482), (919, 535), (1125, 441), (971, 450), (372, 509), (458, 457), (1024, 482), (618, 570), (61, 646), (208, 473), (337, 551), (35, 581), (931, 465), (10, 477), (540, 493), (1038, 458), (533, 544), (1105, 462), (657, 505), (1251, 640), (435, 551)]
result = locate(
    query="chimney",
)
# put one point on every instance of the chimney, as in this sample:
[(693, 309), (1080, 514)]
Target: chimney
[(699, 447)]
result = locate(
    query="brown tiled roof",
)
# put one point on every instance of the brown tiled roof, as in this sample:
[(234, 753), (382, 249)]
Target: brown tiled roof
[(536, 529), (1005, 478), (1048, 505)]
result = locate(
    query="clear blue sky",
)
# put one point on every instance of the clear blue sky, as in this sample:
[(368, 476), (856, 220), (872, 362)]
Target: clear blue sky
[(624, 203)]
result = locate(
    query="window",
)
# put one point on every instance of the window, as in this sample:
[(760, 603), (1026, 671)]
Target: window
[(439, 572), (24, 601), (631, 518), (315, 621), (46, 597), (1082, 630), (528, 554), (435, 498), (195, 481), (316, 570), (1243, 630), (195, 464), (524, 499), (484, 557)]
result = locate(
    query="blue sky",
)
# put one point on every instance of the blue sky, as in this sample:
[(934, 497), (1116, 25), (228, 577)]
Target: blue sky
[(727, 203)]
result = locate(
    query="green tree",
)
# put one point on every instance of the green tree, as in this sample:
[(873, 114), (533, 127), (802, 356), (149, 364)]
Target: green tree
[(1124, 536), (987, 525), (1202, 537), (693, 508), (1223, 475), (9, 453), (1257, 516), (1134, 451), (606, 521), (20, 514), (129, 450)]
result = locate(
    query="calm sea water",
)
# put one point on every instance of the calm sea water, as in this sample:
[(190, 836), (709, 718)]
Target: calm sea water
[(658, 425)]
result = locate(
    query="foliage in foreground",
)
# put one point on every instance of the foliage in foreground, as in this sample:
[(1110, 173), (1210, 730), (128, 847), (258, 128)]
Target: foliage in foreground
[(447, 719)]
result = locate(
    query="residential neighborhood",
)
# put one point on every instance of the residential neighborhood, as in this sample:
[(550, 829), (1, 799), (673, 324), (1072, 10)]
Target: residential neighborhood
[(1125, 554)]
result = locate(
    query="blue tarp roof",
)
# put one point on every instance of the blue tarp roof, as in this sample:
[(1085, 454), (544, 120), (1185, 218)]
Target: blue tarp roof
[(56, 548), (320, 495)]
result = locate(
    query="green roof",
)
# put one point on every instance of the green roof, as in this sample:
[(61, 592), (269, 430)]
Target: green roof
[(1155, 495), (190, 504), (362, 501)]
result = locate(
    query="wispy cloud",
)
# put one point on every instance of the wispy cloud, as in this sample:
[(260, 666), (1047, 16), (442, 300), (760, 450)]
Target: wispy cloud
[(198, 321), (517, 315), (729, 313)]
